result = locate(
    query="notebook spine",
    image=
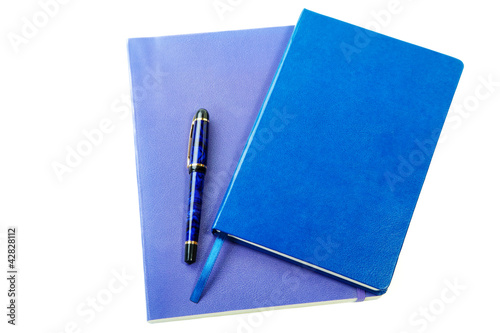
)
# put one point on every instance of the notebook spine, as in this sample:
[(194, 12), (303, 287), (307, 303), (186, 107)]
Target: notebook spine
[(255, 126)]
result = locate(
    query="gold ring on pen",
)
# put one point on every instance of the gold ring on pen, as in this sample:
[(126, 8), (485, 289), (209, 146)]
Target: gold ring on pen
[(197, 165), (202, 119)]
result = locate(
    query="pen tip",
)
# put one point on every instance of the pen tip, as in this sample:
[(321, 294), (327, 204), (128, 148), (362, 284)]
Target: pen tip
[(202, 113), (190, 250)]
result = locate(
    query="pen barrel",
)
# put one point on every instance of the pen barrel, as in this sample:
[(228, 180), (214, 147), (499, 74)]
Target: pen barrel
[(197, 167), (194, 215)]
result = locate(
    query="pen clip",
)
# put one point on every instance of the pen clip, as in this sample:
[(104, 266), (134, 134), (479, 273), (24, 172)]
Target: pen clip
[(190, 142)]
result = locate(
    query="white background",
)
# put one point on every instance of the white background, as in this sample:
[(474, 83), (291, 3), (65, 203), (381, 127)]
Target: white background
[(77, 233)]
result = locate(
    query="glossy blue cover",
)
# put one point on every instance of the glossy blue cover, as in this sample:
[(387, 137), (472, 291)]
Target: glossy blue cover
[(229, 74), (340, 149)]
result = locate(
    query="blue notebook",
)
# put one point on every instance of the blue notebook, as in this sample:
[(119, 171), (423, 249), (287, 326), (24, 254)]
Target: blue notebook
[(229, 74), (333, 167)]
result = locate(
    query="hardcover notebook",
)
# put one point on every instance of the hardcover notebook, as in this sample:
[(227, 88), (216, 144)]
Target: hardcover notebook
[(229, 74), (340, 150)]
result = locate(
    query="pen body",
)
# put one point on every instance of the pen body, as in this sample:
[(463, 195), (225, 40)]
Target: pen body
[(194, 215), (197, 167)]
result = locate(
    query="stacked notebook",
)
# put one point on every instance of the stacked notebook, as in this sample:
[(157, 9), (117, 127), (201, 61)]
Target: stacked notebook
[(310, 140), (229, 74)]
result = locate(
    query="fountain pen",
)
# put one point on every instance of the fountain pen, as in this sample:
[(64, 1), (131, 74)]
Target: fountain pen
[(197, 167)]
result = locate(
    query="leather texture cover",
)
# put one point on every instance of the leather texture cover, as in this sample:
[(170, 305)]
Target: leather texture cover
[(340, 149), (229, 74)]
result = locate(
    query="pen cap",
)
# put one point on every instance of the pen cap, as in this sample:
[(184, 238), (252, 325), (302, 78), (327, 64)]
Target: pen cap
[(198, 142)]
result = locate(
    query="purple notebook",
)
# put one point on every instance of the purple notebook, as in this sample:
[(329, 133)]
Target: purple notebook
[(229, 74)]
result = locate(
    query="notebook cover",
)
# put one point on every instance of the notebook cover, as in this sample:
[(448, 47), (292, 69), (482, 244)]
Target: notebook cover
[(229, 74), (340, 149)]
